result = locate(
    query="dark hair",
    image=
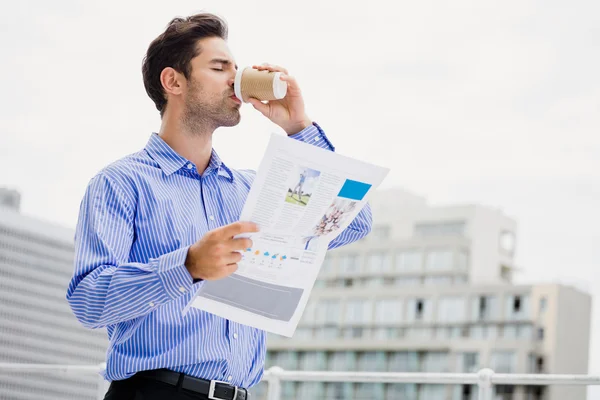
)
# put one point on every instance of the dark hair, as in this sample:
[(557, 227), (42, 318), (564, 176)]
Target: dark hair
[(175, 48)]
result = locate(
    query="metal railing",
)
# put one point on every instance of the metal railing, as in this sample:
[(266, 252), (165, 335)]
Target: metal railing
[(485, 379)]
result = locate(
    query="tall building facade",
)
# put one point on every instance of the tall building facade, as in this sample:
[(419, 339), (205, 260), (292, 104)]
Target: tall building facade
[(430, 290), (36, 323)]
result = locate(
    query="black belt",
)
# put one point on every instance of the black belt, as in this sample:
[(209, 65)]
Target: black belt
[(215, 390)]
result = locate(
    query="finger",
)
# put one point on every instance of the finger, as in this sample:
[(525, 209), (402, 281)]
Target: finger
[(237, 228), (264, 109), (240, 244), (291, 81), (231, 268), (271, 67), (232, 258)]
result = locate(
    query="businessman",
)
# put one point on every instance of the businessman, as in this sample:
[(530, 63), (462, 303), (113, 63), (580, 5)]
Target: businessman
[(156, 224)]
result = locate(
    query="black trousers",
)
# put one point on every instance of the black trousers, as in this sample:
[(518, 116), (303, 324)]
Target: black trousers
[(137, 388)]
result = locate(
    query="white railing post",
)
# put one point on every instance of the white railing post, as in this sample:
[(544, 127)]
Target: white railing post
[(274, 385), (485, 384)]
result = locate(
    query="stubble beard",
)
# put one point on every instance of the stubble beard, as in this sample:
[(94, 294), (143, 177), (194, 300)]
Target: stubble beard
[(204, 114)]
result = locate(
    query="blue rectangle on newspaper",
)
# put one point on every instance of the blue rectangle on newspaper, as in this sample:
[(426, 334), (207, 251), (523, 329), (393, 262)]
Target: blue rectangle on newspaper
[(354, 190)]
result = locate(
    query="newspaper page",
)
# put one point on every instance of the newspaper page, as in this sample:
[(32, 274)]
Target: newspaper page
[(302, 198)]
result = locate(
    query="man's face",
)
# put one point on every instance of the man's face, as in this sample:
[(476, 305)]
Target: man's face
[(209, 97)]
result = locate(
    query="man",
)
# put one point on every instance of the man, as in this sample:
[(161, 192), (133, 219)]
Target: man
[(157, 223), (298, 188)]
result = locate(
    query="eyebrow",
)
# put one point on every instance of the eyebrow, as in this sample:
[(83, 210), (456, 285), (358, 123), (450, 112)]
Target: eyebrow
[(223, 61)]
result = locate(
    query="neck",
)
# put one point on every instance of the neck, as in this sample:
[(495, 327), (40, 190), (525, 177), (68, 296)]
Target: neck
[(192, 142)]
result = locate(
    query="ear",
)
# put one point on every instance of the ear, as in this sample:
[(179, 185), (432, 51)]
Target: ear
[(172, 81)]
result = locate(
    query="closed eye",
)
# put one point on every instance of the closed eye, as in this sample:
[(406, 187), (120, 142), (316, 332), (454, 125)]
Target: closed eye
[(217, 69)]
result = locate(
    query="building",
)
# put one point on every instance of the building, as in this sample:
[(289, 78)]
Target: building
[(36, 323), (430, 290)]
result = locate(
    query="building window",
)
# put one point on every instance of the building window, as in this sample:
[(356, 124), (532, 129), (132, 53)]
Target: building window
[(484, 308), (404, 391), (418, 310), (402, 282), (388, 310), (445, 228), (439, 260), (543, 305), (468, 362), (372, 361), (409, 261), (379, 262), (380, 232), (342, 361), (404, 362), (517, 307), (503, 362), (358, 311), (540, 334), (329, 311), (435, 361), (348, 264), (451, 309)]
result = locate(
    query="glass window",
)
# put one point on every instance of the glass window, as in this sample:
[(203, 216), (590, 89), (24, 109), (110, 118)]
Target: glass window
[(418, 310), (504, 361), (516, 307), (405, 361), (409, 260), (440, 228), (358, 311), (349, 264), (468, 362), (309, 312), (286, 360), (404, 391), (328, 311), (327, 265), (388, 310), (381, 232), (451, 309), (435, 361), (313, 361), (372, 361), (328, 332), (433, 392), (369, 391), (509, 332), (379, 262), (403, 282), (543, 304), (420, 333), (462, 260), (338, 391), (310, 390), (439, 260), (342, 361), (438, 280), (484, 308), (373, 282)]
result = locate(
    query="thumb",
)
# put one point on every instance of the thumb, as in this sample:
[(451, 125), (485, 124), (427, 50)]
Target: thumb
[(260, 106)]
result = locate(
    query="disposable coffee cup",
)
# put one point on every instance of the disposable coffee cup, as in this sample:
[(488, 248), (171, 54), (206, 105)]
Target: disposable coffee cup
[(262, 85)]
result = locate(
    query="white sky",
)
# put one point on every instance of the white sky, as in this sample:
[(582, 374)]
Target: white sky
[(466, 101)]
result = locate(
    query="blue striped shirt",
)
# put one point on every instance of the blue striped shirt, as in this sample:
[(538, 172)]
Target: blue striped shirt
[(138, 217)]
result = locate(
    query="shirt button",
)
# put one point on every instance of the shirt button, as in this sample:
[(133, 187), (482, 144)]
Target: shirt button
[(235, 335), (211, 217), (316, 138), (151, 304), (189, 166), (229, 378), (181, 289)]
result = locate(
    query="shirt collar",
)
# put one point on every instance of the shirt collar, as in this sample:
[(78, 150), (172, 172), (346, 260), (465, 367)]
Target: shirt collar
[(170, 161)]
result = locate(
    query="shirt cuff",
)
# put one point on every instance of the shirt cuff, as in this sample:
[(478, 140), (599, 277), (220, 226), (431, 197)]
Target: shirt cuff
[(172, 272), (313, 134)]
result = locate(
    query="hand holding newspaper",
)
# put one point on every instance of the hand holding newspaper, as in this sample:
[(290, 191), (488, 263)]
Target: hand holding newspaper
[(302, 198)]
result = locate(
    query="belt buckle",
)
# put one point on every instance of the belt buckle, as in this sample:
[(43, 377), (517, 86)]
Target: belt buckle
[(211, 390)]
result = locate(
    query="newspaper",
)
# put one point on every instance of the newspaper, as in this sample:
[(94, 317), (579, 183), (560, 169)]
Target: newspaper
[(302, 198)]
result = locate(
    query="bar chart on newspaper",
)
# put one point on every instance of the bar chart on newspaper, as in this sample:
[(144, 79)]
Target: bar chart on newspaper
[(302, 198)]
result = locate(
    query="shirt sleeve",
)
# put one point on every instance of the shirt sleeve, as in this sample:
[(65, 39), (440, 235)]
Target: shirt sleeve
[(106, 288), (362, 224)]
